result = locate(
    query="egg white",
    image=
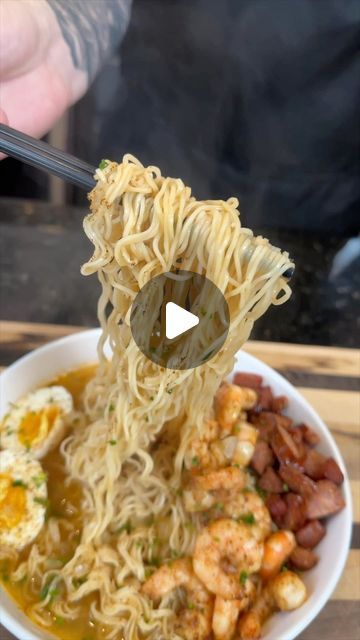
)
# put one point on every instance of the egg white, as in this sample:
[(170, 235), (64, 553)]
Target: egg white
[(22, 468), (45, 398)]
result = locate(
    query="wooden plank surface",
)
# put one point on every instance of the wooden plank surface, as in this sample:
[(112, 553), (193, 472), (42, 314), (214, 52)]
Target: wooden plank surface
[(329, 378)]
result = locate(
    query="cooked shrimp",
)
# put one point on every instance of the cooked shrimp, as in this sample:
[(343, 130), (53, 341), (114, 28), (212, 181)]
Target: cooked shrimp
[(226, 613), (226, 479), (285, 592), (199, 452), (203, 491), (277, 548), (225, 553), (193, 622), (250, 508), (230, 401)]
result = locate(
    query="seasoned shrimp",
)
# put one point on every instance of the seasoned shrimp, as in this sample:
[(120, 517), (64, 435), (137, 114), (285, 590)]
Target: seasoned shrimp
[(237, 448), (200, 452), (285, 592), (225, 553), (203, 491), (226, 479), (230, 401), (250, 508), (277, 548), (193, 622), (226, 613)]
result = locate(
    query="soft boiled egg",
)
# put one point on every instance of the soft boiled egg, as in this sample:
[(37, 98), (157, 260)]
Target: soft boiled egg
[(38, 421), (23, 499)]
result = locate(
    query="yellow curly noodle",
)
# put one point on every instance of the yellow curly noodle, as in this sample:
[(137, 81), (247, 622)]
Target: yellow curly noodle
[(138, 416)]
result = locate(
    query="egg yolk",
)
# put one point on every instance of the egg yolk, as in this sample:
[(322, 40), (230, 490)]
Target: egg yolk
[(35, 426), (12, 502)]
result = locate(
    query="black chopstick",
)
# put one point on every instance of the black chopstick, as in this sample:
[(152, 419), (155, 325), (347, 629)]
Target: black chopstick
[(43, 156)]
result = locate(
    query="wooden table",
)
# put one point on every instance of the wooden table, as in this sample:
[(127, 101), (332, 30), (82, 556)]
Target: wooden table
[(329, 378)]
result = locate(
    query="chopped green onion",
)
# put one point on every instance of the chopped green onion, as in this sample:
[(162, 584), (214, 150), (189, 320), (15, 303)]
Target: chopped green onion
[(261, 492), (19, 483), (125, 527), (248, 518), (286, 487), (103, 164), (40, 479), (113, 442), (243, 577), (43, 501), (195, 461)]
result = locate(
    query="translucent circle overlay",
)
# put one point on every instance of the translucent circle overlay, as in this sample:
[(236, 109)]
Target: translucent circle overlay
[(194, 293)]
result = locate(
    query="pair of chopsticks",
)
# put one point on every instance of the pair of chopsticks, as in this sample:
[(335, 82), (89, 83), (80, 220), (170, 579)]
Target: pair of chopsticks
[(45, 157)]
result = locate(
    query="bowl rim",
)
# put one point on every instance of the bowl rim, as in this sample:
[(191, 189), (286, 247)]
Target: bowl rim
[(14, 625)]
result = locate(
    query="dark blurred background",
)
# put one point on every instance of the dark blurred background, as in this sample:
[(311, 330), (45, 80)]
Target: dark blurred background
[(253, 98)]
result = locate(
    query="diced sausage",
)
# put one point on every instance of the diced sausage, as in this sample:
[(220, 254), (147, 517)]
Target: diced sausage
[(265, 398), (314, 464), (297, 436), (311, 438), (263, 457), (333, 472), (270, 481), (277, 507), (297, 481), (279, 403), (284, 446), (310, 534), (303, 559), (265, 422), (250, 380), (325, 500), (295, 515)]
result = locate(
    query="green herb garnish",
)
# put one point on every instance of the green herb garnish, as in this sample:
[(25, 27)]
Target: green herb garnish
[(261, 492), (243, 577), (111, 406), (195, 461), (19, 483), (125, 527), (48, 590), (103, 164), (248, 518), (285, 487), (43, 501), (40, 479), (113, 442)]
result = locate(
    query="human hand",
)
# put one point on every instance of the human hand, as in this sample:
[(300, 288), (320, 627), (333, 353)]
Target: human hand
[(38, 80)]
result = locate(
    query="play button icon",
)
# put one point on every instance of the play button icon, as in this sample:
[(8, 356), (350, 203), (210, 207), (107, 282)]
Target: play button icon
[(179, 319)]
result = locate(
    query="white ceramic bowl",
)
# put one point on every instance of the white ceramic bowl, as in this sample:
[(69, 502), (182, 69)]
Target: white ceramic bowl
[(73, 351)]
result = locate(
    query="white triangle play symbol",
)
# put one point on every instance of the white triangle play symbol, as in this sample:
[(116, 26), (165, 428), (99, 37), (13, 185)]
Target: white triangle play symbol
[(178, 320)]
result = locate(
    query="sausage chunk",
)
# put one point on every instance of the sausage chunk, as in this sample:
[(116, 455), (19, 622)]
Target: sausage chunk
[(325, 500), (263, 457), (333, 472), (271, 482), (249, 380), (310, 534), (303, 559)]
